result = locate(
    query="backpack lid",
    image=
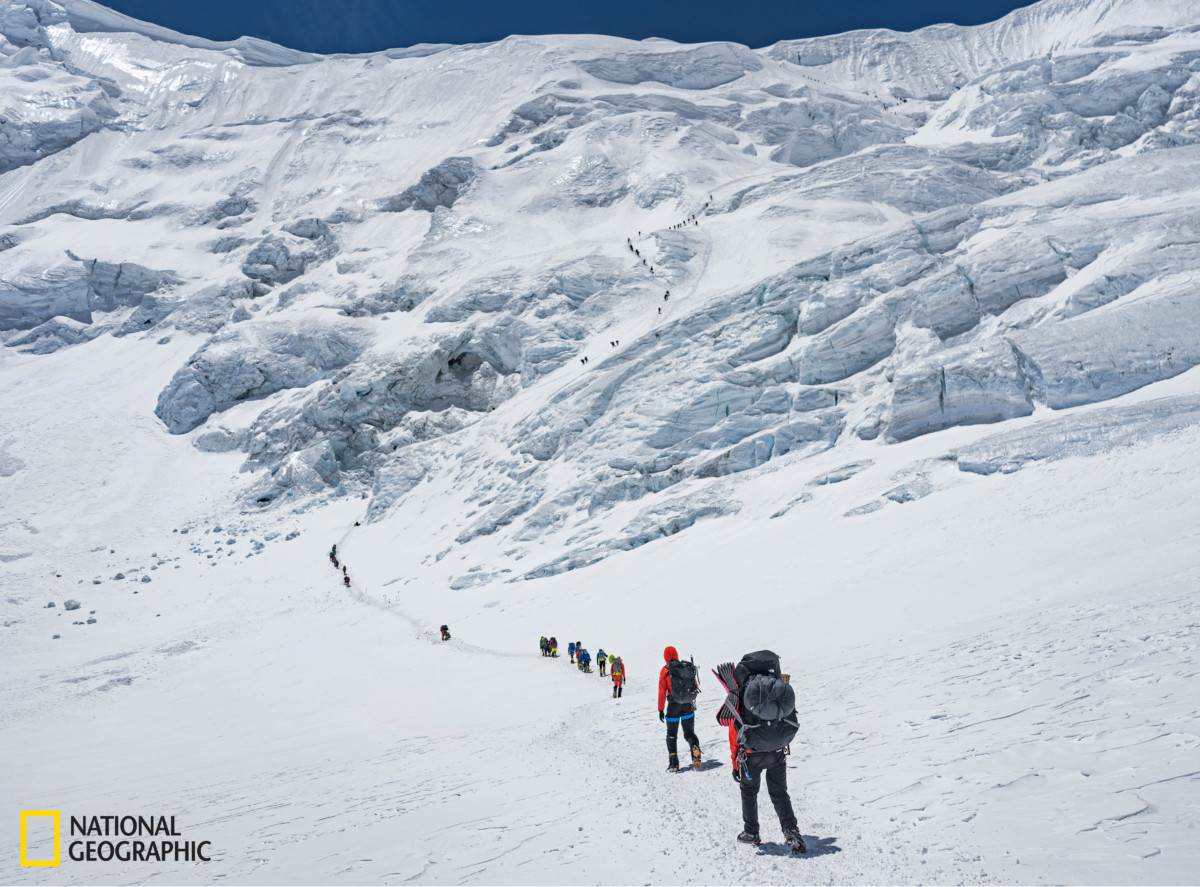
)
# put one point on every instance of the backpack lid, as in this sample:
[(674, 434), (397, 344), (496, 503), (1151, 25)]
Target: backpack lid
[(761, 662), (769, 698)]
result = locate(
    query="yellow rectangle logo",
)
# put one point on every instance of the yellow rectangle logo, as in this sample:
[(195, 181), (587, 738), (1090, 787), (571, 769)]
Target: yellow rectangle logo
[(26, 815)]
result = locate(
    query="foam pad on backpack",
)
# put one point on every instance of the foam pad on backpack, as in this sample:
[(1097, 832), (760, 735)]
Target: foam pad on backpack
[(769, 698)]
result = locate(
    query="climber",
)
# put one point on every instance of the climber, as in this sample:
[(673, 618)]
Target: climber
[(760, 713), (601, 660), (616, 671), (346, 580), (445, 630), (678, 684), (571, 651), (554, 646)]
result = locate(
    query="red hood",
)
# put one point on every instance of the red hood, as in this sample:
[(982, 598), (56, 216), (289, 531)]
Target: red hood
[(670, 654)]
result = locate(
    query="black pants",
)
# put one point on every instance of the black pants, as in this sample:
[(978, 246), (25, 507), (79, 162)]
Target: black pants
[(772, 766), (680, 715), (601, 668), (617, 687)]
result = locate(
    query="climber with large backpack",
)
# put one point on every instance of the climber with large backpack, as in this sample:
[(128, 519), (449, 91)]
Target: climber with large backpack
[(678, 685), (760, 714)]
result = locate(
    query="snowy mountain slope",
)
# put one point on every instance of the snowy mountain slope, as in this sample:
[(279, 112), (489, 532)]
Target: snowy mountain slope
[(968, 715), (924, 386), (932, 63)]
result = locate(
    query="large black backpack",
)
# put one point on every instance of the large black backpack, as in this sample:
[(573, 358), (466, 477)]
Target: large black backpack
[(766, 704), (683, 682)]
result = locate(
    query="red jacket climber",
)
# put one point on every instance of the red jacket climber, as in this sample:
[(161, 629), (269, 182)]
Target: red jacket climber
[(677, 713)]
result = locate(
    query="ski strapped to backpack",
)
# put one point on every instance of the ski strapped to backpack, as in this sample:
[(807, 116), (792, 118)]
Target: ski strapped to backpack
[(727, 714)]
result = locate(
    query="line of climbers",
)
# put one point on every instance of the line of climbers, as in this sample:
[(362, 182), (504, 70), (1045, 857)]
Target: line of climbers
[(758, 713), (333, 559), (609, 664), (693, 219), (443, 630)]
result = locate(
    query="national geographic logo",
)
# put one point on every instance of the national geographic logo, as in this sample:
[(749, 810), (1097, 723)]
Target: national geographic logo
[(106, 839)]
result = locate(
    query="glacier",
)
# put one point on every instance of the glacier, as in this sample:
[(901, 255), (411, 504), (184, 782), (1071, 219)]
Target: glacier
[(898, 333)]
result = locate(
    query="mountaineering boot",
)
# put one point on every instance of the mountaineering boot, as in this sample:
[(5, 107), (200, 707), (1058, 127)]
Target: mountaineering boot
[(673, 763), (792, 836), (749, 838), (696, 757)]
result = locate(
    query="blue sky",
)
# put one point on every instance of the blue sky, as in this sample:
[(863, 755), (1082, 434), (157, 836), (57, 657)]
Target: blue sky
[(365, 25)]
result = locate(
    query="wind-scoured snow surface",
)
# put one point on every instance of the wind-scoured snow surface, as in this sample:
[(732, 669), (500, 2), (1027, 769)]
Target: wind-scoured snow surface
[(920, 413)]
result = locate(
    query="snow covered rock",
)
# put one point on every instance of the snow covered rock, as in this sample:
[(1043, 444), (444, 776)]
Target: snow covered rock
[(32, 293), (440, 186), (44, 108), (277, 259), (252, 361), (978, 385), (702, 67), (53, 334), (310, 470), (1080, 434)]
